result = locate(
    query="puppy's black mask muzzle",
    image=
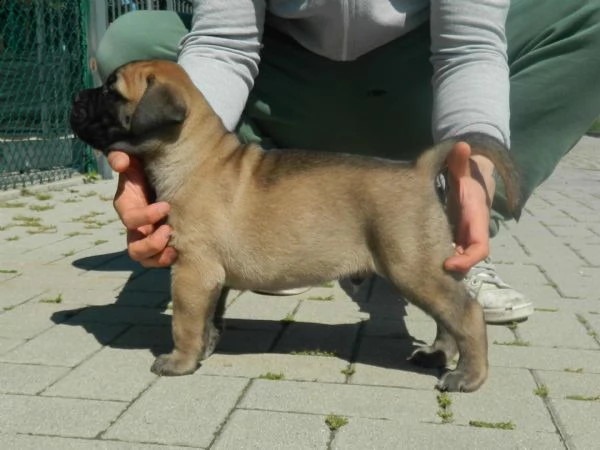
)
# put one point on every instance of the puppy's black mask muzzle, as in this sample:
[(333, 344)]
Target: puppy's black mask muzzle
[(94, 119)]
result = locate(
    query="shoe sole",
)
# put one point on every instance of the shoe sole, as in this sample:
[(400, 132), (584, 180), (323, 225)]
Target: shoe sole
[(495, 316), (285, 292)]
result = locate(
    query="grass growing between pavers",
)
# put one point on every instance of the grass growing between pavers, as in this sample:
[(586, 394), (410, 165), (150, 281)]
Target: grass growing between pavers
[(583, 321), (583, 398), (39, 208), (542, 391), (322, 298), (44, 229), (9, 271), (57, 299), (26, 221), (516, 342), (34, 225), (42, 196), (90, 222), (90, 178), (444, 411), (76, 233), (546, 309), (496, 425), (12, 204), (335, 422), (571, 370), (316, 352), (12, 238), (272, 376), (348, 371), (289, 318)]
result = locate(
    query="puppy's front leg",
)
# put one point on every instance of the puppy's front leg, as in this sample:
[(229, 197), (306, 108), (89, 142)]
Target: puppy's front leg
[(195, 292)]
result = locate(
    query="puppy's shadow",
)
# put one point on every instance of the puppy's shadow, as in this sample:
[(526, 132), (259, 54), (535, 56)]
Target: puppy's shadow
[(141, 310)]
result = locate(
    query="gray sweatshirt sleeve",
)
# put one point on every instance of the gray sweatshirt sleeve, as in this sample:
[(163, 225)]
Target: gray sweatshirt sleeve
[(221, 53), (471, 76)]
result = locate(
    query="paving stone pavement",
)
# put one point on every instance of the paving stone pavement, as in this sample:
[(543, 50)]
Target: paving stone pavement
[(80, 324)]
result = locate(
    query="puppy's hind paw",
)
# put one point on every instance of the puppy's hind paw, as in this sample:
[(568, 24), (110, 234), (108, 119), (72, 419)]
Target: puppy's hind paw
[(173, 364), (459, 381)]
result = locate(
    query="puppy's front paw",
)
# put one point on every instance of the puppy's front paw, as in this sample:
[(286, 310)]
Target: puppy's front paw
[(428, 357), (173, 364), (459, 381)]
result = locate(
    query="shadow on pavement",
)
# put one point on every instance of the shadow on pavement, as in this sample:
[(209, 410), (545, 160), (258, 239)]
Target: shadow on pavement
[(142, 304)]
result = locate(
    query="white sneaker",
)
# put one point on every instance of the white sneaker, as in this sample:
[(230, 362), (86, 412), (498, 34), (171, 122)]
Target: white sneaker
[(284, 292), (501, 303)]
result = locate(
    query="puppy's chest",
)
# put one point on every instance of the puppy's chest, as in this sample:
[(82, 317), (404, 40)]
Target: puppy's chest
[(194, 228)]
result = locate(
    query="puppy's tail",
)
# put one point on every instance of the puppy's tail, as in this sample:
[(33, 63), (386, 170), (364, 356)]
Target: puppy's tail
[(433, 161)]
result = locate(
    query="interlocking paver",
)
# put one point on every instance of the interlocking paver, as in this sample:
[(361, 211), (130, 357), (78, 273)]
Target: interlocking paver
[(76, 373), (128, 375), (56, 416), (277, 430), (573, 383), (28, 379), (507, 396), (290, 367), (361, 434), (580, 419), (180, 411), (26, 442), (64, 345), (379, 402), (541, 331), (30, 319), (544, 358)]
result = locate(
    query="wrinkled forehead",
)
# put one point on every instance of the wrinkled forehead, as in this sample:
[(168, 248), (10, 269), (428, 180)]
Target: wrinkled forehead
[(131, 80)]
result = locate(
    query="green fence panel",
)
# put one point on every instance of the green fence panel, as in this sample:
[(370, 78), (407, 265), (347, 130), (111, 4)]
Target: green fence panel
[(43, 58), (44, 61)]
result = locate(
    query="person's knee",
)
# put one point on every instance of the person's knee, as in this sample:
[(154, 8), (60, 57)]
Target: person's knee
[(122, 42)]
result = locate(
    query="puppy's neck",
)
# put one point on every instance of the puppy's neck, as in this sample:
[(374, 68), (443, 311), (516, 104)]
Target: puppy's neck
[(172, 165)]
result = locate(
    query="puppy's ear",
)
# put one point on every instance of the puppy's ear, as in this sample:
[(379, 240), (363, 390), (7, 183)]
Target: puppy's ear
[(158, 107)]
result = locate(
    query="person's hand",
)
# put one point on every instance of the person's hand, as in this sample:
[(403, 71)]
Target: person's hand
[(469, 198), (147, 239)]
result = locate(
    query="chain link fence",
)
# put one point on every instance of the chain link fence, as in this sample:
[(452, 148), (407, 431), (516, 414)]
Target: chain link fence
[(45, 52), (42, 50)]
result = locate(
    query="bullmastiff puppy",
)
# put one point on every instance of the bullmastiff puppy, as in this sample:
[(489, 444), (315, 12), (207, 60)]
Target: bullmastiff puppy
[(230, 202)]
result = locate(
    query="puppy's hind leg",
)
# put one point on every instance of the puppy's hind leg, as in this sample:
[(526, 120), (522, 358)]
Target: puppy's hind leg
[(438, 354), (197, 290), (460, 321)]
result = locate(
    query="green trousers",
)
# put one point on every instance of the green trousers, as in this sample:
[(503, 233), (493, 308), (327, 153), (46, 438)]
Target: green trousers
[(380, 104)]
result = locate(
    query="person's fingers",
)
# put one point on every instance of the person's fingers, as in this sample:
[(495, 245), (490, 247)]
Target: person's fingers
[(142, 216), (143, 248), (163, 259), (463, 262), (458, 160), (119, 161)]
